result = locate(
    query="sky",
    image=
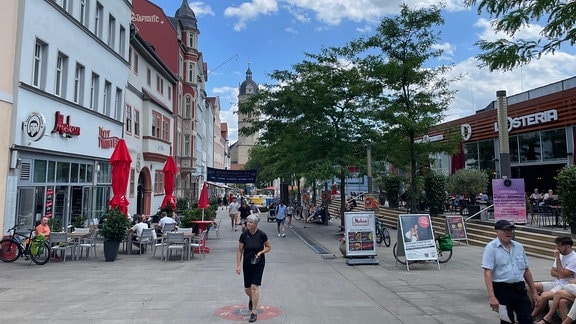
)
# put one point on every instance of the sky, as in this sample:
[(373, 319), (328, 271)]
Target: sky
[(269, 35)]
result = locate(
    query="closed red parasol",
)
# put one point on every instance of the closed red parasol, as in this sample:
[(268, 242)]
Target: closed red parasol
[(203, 202), (169, 171), (120, 162)]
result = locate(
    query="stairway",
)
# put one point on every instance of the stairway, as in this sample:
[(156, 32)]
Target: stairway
[(537, 242)]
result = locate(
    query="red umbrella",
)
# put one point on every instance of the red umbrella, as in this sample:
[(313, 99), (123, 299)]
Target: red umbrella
[(203, 202), (120, 161), (169, 171)]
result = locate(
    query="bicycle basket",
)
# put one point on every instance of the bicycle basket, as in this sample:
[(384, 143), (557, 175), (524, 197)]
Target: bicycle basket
[(445, 243), (37, 246)]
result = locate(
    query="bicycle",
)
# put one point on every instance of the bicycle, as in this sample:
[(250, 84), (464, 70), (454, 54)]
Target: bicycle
[(382, 233), (443, 255), (17, 245), (297, 211)]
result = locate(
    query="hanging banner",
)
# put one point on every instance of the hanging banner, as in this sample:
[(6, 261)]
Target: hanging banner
[(230, 176), (456, 228), (416, 237), (360, 232), (509, 200)]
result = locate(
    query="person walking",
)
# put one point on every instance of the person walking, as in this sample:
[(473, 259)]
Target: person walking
[(233, 212), (281, 218), (289, 213), (250, 259), (506, 274), (243, 212)]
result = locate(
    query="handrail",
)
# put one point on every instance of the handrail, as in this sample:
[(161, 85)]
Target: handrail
[(481, 210)]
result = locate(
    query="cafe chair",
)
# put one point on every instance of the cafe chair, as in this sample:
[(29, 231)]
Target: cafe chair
[(174, 241), (546, 216), (145, 239), (199, 243), (216, 227), (88, 243), (160, 242), (59, 243), (168, 227)]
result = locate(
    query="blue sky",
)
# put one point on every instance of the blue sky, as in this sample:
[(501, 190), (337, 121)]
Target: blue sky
[(273, 35)]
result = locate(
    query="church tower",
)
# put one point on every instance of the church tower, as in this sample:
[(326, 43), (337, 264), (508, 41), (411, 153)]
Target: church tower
[(240, 151)]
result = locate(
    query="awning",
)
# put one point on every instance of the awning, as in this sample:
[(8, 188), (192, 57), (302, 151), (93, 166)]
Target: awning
[(219, 185)]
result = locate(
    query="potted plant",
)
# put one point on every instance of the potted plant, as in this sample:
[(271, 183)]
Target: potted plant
[(566, 178), (469, 182), (114, 228)]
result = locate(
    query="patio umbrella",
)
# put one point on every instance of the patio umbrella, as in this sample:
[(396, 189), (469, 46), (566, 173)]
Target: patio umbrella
[(203, 202), (169, 171), (120, 162)]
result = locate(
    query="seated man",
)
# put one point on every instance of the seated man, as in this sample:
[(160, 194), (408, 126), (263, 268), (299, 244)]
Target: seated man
[(137, 229), (165, 220), (563, 268), (562, 299)]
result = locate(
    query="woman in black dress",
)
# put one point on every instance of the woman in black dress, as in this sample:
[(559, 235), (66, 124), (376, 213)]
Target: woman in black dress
[(252, 246)]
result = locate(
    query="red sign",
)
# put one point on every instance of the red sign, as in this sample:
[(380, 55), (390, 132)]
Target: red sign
[(64, 128), (106, 141)]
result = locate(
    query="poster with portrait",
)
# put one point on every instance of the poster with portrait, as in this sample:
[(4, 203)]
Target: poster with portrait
[(416, 237), (371, 202), (360, 232), (326, 197), (456, 228)]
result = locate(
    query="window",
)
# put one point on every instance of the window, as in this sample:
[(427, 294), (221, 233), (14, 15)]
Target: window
[(159, 182), (79, 84), (128, 119), (83, 12), (118, 104), (122, 41), (39, 64), (98, 20), (131, 191), (159, 84), (170, 93), (191, 72), (554, 144), (156, 124), (94, 91), (166, 129), (188, 107), (135, 62), (471, 155), (107, 97), (136, 123), (61, 72), (186, 145), (111, 31), (530, 149), (130, 56), (148, 76)]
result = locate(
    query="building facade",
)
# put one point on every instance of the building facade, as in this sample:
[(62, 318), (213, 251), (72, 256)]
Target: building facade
[(240, 151), (71, 69)]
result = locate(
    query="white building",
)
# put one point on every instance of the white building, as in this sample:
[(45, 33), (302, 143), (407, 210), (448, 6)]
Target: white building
[(71, 71)]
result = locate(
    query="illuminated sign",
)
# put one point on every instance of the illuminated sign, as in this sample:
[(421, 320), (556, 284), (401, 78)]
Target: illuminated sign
[(34, 126), (64, 128), (529, 120), (106, 141)]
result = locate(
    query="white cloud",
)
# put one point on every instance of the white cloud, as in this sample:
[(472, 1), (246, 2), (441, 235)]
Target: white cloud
[(201, 9), (228, 100), (250, 11), (531, 32)]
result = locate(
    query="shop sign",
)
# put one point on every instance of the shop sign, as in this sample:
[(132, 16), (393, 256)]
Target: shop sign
[(64, 128), (35, 125), (146, 18), (530, 120), (106, 141)]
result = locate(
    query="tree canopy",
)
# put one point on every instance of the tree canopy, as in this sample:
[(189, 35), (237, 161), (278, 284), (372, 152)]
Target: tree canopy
[(513, 16)]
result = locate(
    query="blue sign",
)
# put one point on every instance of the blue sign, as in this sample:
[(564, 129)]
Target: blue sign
[(231, 176)]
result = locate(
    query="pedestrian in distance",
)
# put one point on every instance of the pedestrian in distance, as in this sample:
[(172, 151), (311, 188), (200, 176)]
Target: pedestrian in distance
[(250, 259), (506, 274), (243, 212), (281, 212), (289, 213), (233, 212)]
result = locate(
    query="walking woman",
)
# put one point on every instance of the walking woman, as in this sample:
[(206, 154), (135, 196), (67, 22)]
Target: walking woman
[(252, 246)]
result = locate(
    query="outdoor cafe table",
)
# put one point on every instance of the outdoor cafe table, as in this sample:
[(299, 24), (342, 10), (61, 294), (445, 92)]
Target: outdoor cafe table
[(76, 238), (202, 226)]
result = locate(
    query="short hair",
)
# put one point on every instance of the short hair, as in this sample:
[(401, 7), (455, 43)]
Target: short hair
[(253, 218), (164, 214), (564, 240)]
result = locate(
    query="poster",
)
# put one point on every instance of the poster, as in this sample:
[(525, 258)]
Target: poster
[(371, 202), (509, 200), (456, 228), (360, 228), (326, 197), (416, 237)]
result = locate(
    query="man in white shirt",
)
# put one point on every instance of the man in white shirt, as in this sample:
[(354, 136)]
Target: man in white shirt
[(165, 220), (233, 213), (137, 229), (563, 269)]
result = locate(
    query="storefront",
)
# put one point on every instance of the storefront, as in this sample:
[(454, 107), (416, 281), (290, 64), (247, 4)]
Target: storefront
[(541, 136)]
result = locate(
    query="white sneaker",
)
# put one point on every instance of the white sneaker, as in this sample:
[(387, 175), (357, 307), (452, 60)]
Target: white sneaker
[(278, 234), (283, 235)]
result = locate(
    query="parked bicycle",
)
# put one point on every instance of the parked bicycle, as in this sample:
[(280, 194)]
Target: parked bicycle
[(382, 233), (443, 250), (29, 246), (297, 211)]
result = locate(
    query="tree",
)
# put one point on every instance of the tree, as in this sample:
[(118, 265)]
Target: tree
[(511, 17), (566, 178), (408, 95), (469, 182)]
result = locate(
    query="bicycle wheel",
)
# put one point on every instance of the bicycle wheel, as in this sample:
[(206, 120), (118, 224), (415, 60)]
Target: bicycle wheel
[(387, 239), (399, 258), (42, 256), (379, 235), (9, 250), (444, 256)]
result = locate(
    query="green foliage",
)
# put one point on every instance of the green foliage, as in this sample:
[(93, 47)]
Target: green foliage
[(55, 224), (182, 203), (79, 221), (514, 16), (189, 215), (114, 226), (467, 181), (566, 178), (392, 184), (434, 185)]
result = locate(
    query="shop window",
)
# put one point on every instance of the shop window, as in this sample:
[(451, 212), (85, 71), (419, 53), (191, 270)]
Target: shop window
[(471, 155), (51, 174), (514, 155), (486, 155), (530, 147), (40, 171), (554, 144), (74, 172), (63, 172)]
